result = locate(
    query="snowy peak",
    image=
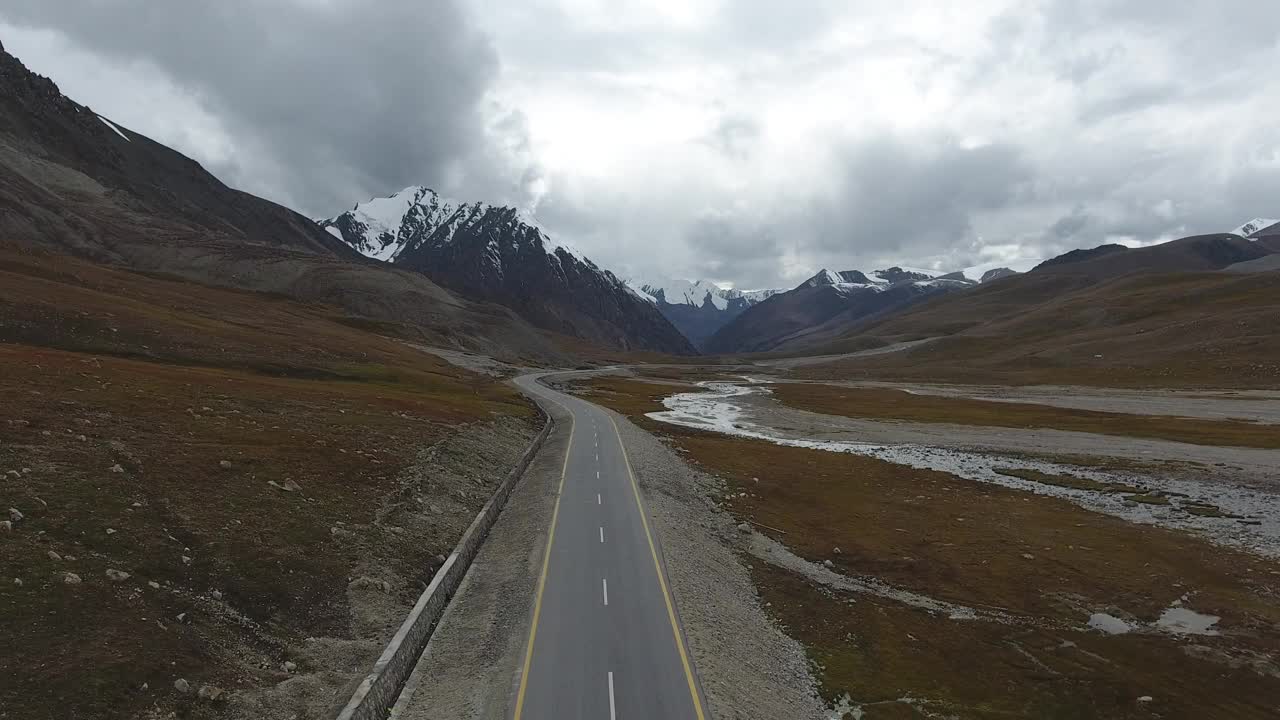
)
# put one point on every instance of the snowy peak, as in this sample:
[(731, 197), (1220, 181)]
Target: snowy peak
[(698, 308), (499, 254), (996, 274), (898, 274), (824, 277), (388, 228), (1253, 227), (684, 292), (875, 280), (696, 293)]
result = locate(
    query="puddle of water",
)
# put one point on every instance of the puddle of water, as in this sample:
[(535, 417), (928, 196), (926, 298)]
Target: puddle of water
[(716, 408), (1184, 621), (1109, 624)]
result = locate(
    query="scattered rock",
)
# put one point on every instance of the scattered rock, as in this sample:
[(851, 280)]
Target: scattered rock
[(117, 468), (1028, 556), (1145, 699), (14, 473), (26, 471), (17, 581), (224, 464), (54, 556), (440, 559), (111, 531), (216, 595), (6, 526), (153, 585), (744, 527), (182, 685), (182, 617), (835, 551), (287, 486), (289, 666), (209, 692), (368, 582), (828, 564), (81, 438), (15, 515), (186, 559), (71, 578), (117, 575)]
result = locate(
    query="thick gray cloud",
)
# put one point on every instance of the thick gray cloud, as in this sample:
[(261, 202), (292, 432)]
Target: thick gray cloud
[(740, 141), (339, 99)]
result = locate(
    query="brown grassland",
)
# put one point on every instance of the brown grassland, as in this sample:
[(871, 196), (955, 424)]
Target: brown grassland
[(1044, 562), (885, 404), (123, 396), (1164, 330)]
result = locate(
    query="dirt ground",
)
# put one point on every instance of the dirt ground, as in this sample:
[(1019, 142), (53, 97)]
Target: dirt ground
[(875, 548), (195, 481)]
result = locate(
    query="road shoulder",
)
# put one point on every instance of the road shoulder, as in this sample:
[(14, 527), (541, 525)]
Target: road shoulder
[(470, 665)]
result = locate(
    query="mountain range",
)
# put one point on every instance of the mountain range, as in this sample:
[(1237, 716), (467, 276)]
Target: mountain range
[(488, 278), (500, 255)]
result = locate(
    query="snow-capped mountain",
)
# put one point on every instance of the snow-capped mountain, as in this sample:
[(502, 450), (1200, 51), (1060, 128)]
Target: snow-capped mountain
[(827, 302), (698, 308), (498, 254)]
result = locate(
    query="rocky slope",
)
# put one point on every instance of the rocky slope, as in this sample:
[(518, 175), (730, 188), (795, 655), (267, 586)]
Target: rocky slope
[(73, 182), (497, 254), (1198, 253)]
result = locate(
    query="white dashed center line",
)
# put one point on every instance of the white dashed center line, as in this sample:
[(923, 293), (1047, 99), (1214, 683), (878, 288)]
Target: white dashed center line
[(613, 712), (601, 534), (605, 584), (597, 498)]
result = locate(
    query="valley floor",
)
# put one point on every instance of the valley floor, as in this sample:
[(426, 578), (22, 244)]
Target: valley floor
[(218, 504), (936, 562)]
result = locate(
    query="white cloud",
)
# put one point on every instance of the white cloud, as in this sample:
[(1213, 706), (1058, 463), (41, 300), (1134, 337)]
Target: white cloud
[(748, 142)]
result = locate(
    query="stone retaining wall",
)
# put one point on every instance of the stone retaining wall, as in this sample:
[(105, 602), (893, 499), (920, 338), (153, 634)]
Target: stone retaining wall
[(378, 691)]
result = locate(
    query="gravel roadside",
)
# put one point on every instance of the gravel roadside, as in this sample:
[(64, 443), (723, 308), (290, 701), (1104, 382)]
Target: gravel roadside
[(748, 667), (469, 667)]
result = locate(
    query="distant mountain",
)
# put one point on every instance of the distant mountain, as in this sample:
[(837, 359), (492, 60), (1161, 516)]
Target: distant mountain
[(697, 308), (1191, 254), (996, 274), (826, 305), (1157, 315), (497, 254), (75, 182)]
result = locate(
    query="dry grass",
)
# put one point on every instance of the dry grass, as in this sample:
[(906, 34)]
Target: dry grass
[(1040, 559), (883, 404), (1185, 330), (165, 380)]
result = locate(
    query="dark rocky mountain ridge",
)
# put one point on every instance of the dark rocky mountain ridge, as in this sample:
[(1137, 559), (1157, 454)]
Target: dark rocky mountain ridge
[(496, 254), (73, 183)]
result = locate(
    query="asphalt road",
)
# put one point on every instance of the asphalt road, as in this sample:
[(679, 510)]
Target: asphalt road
[(605, 641)]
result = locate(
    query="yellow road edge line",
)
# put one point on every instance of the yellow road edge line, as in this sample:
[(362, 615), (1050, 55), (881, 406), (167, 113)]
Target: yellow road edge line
[(662, 581), (546, 563)]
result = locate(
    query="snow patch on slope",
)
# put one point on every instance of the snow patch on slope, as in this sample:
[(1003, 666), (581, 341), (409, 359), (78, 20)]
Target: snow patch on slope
[(112, 125), (1254, 226)]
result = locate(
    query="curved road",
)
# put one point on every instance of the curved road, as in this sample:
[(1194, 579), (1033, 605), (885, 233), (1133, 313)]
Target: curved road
[(605, 641)]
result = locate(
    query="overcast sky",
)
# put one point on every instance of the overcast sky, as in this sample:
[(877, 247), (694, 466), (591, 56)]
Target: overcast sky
[(734, 140)]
